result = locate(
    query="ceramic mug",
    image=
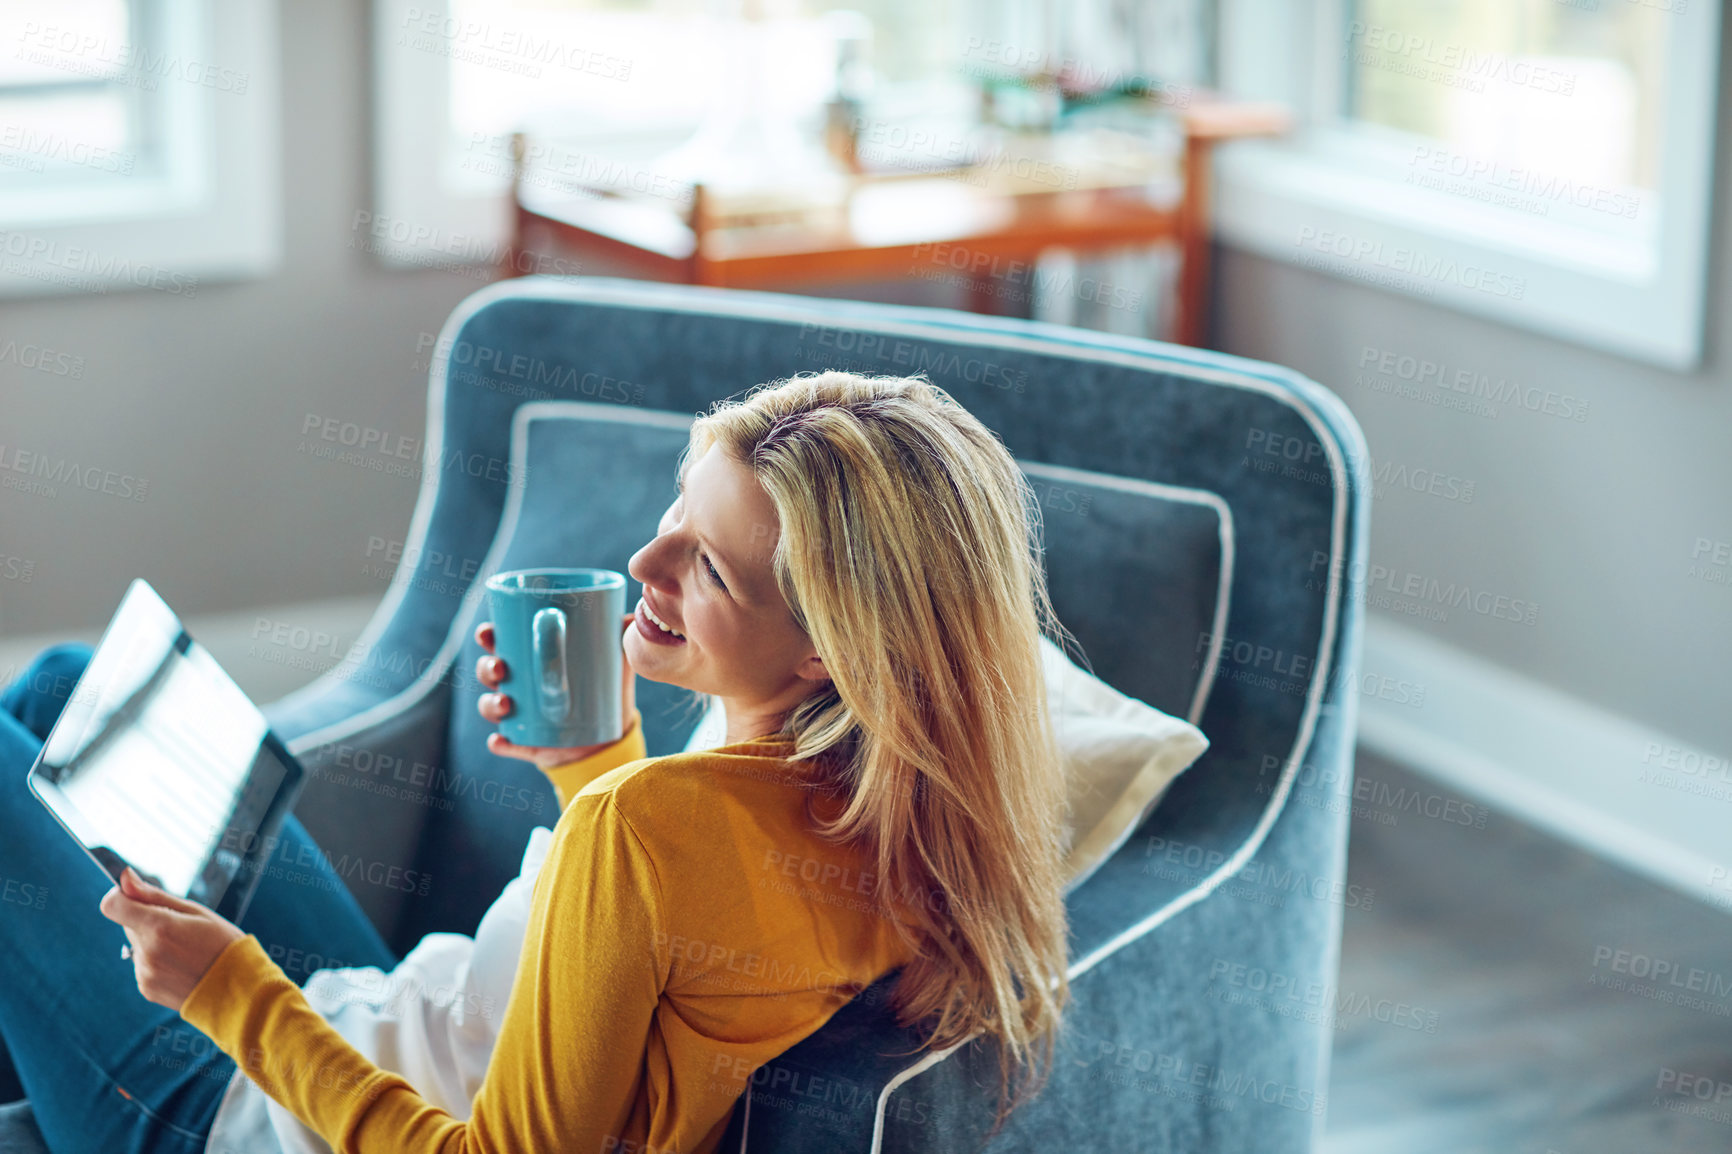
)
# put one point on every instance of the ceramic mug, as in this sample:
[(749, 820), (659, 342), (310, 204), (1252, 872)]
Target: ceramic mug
[(559, 632)]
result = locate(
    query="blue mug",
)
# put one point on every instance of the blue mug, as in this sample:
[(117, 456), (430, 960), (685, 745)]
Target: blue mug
[(560, 634)]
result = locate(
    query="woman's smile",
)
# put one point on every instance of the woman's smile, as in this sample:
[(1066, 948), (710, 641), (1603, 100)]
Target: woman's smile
[(646, 625)]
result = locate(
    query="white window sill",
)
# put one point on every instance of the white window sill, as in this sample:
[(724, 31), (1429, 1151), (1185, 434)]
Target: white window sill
[(1620, 270), (210, 211), (1618, 291)]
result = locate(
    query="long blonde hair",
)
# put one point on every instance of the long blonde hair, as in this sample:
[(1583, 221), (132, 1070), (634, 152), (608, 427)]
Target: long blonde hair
[(909, 552)]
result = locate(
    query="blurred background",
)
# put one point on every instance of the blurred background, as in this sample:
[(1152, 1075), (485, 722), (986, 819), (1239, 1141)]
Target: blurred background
[(230, 235)]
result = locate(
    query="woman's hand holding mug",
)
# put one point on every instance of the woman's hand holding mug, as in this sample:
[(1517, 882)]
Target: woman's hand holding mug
[(496, 707)]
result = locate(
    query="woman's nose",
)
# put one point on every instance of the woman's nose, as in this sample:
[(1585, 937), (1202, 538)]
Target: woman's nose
[(645, 565)]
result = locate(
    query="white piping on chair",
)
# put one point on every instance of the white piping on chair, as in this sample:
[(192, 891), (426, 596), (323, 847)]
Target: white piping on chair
[(1223, 527), (415, 541)]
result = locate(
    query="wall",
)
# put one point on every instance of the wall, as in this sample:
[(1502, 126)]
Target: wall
[(1595, 521), (205, 399)]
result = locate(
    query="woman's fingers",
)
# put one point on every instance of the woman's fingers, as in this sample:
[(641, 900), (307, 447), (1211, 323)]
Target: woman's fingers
[(134, 903), (502, 746), (490, 671), (496, 707), (174, 941), (544, 756), (140, 890), (498, 743), (114, 907)]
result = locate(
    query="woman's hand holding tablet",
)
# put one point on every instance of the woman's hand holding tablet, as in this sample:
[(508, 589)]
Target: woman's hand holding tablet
[(174, 940)]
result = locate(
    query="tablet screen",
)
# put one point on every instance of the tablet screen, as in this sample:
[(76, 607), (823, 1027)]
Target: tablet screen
[(159, 760)]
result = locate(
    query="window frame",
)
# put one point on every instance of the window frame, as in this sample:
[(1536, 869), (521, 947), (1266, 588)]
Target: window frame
[(418, 221), (213, 208), (426, 213), (1310, 200)]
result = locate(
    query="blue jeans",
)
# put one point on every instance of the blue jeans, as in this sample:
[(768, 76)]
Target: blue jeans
[(103, 1068)]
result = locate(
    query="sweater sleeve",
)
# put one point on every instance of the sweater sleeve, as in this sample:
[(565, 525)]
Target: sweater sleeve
[(564, 1074), (567, 779)]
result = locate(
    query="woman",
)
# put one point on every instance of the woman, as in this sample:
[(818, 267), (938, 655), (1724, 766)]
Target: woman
[(852, 570)]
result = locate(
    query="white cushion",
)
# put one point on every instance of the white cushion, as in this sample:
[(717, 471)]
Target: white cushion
[(1120, 756)]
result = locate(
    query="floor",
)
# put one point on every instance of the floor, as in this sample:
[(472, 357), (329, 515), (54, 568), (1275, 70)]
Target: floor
[(1540, 1000)]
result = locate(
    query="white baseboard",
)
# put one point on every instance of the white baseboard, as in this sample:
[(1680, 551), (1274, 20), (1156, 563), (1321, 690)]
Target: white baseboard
[(1654, 803)]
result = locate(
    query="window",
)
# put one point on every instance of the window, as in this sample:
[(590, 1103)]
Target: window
[(1544, 162), (604, 90), (70, 119), (138, 144)]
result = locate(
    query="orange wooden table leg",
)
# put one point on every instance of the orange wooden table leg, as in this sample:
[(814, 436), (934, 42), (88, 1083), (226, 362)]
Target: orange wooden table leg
[(1193, 326)]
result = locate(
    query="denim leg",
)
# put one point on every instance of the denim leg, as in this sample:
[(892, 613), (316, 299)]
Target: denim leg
[(36, 698), (105, 1069), (42, 691)]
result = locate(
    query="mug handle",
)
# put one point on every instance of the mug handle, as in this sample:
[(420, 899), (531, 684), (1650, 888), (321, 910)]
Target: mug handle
[(547, 641)]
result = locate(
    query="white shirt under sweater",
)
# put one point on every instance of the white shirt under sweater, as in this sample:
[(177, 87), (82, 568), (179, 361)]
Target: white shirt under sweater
[(433, 1019)]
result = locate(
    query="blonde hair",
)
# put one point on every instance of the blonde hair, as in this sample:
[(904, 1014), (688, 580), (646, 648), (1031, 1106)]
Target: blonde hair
[(909, 552)]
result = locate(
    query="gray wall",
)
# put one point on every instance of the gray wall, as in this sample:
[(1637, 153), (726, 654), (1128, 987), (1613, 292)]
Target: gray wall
[(205, 398), (1595, 521)]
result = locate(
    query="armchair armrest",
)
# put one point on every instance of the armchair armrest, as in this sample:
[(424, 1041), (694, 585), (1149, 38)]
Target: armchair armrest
[(364, 794)]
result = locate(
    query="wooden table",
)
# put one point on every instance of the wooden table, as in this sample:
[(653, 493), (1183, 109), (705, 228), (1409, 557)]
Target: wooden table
[(982, 225)]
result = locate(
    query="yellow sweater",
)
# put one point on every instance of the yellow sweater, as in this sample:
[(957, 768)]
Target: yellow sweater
[(686, 927)]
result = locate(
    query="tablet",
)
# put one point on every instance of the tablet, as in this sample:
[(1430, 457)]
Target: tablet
[(161, 762)]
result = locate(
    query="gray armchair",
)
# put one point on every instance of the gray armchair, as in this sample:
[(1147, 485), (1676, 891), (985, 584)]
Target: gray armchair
[(1205, 525), (1206, 521)]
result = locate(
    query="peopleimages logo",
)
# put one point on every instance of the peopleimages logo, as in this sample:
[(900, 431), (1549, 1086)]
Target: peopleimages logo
[(1409, 262), (507, 49), (79, 267), (1426, 592), (1522, 188), (26, 141), (1479, 386), (1455, 64), (1658, 971), (35, 472), (43, 360), (87, 54)]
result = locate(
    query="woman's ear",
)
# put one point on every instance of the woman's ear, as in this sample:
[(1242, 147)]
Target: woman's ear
[(812, 669)]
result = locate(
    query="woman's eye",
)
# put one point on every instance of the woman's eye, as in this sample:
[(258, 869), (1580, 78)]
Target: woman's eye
[(714, 576)]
